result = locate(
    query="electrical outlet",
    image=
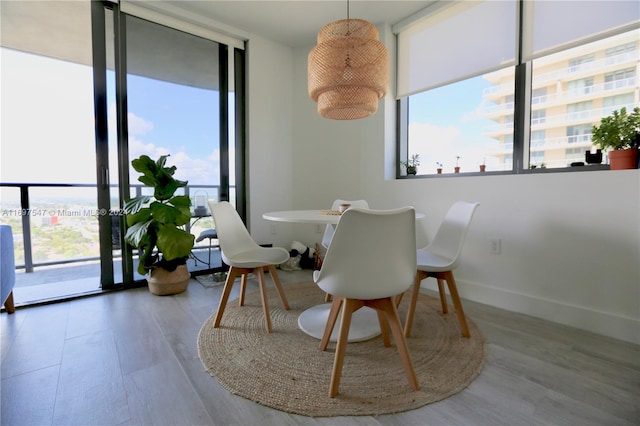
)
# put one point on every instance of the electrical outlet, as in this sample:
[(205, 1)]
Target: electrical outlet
[(496, 246), (274, 231), (319, 229)]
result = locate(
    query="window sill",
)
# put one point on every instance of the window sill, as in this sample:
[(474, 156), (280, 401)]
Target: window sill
[(585, 168)]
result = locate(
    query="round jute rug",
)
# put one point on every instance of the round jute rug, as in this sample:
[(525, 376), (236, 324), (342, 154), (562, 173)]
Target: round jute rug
[(285, 370)]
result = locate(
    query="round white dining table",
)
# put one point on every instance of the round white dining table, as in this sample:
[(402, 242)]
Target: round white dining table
[(312, 321), (318, 217)]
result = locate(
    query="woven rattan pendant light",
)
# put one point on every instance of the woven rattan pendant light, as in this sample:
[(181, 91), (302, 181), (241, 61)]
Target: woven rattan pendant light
[(348, 70)]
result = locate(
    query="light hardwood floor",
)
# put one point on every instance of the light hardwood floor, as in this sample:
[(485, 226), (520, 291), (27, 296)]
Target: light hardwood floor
[(130, 358)]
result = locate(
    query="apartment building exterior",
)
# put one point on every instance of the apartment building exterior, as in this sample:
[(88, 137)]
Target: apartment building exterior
[(571, 91)]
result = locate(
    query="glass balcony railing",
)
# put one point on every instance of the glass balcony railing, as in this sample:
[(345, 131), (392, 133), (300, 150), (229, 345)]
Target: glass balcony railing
[(55, 224)]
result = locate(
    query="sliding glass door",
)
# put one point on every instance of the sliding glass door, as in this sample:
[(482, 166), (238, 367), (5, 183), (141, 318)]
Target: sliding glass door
[(85, 90), (167, 93), (48, 164), (174, 107)]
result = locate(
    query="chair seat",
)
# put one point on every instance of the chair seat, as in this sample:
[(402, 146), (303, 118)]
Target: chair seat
[(430, 262), (207, 233), (255, 258)]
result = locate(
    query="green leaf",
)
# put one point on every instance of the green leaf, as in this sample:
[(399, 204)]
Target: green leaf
[(174, 243), (139, 233), (183, 204), (142, 216), (165, 213), (135, 204)]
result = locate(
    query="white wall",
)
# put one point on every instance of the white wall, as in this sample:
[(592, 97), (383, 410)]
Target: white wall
[(570, 241), (269, 137)]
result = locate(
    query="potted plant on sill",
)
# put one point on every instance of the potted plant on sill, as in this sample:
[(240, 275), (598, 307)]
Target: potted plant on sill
[(411, 165), (155, 227), (620, 134), (439, 168), (456, 169)]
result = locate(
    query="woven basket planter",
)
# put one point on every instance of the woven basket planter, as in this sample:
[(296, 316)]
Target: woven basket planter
[(163, 283)]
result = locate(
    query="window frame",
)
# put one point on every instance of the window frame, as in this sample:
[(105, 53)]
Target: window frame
[(523, 108)]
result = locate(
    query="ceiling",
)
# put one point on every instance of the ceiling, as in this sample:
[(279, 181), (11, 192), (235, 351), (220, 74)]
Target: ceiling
[(296, 23)]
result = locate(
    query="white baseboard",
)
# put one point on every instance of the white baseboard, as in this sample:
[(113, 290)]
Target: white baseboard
[(607, 324)]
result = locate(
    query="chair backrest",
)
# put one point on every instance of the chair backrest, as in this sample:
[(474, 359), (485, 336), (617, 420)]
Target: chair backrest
[(233, 236), (449, 238), (372, 254), (330, 229)]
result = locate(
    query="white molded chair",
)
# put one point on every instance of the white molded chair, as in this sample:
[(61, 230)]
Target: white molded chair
[(244, 256), (358, 271), (440, 258), (330, 229)]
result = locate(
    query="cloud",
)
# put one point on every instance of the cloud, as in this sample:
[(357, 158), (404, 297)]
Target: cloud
[(198, 171), (137, 125), (433, 143), (437, 144)]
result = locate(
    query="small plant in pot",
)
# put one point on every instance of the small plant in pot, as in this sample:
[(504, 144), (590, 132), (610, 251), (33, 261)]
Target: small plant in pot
[(155, 227), (412, 164), (619, 133)]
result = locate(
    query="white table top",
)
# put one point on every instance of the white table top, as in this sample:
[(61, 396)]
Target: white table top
[(308, 216), (302, 216)]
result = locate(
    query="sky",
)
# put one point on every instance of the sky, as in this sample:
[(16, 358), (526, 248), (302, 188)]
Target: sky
[(48, 133), (448, 122)]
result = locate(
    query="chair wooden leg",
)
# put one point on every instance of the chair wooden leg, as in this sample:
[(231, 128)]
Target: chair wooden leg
[(398, 299), (420, 275), (453, 290), (348, 307), (387, 307), (265, 299), (231, 277), (8, 304), (243, 288), (384, 328), (278, 285), (403, 350), (443, 296), (331, 322)]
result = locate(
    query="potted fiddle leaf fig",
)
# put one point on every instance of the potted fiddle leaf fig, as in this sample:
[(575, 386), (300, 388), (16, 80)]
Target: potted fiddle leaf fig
[(155, 227), (619, 133)]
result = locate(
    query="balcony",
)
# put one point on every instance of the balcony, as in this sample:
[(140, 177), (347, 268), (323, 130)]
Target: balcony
[(56, 238)]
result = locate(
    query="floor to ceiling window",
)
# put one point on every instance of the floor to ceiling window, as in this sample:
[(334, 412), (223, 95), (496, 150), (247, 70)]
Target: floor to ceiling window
[(70, 130), (174, 108), (48, 171)]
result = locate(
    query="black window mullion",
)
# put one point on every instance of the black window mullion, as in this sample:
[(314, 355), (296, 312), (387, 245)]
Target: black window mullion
[(102, 141), (240, 126), (120, 65), (522, 117)]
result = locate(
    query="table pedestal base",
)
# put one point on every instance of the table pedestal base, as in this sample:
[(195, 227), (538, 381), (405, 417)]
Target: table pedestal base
[(364, 323)]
